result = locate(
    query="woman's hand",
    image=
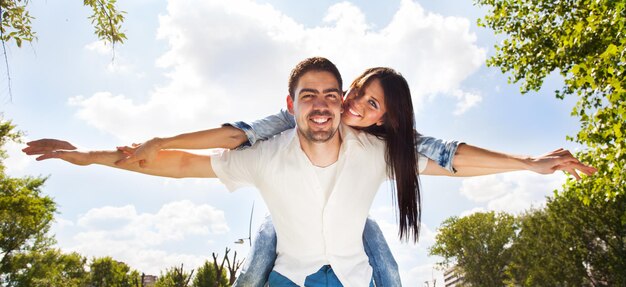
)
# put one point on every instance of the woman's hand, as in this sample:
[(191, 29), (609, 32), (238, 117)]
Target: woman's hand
[(143, 154), (560, 159)]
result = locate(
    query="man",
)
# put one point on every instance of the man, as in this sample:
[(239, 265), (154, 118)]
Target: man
[(319, 223)]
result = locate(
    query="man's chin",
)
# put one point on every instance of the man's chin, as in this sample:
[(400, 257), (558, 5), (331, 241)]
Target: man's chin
[(319, 136)]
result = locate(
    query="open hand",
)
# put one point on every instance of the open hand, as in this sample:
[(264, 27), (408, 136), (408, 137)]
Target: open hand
[(53, 148), (560, 159)]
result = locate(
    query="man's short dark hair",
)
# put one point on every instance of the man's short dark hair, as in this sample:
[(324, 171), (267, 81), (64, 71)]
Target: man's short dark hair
[(317, 64)]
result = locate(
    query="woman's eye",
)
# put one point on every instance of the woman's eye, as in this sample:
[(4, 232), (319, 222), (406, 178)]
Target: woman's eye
[(373, 103)]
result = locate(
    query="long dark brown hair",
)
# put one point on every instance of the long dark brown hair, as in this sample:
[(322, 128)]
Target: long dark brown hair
[(398, 131)]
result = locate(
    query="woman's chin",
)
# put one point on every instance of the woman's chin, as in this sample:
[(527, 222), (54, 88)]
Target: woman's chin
[(353, 122)]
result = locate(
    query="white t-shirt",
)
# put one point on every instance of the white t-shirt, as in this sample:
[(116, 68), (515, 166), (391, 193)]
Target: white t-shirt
[(314, 226), (326, 177)]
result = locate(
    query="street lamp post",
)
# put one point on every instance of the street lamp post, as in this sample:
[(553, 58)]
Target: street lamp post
[(249, 238)]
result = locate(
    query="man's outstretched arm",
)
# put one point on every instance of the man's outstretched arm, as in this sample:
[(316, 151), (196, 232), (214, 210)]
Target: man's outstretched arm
[(168, 163)]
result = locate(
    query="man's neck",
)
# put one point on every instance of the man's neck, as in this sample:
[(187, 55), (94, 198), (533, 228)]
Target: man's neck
[(321, 154)]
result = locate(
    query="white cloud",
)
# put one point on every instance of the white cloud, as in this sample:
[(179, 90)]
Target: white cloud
[(99, 47), (485, 188), (230, 57), (466, 101), (472, 211), (118, 63), (138, 238), (510, 192)]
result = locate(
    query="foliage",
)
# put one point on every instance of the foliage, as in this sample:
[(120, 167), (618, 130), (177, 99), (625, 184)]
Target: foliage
[(25, 214), (7, 134), (545, 254), (48, 268), (479, 245), (174, 277), (567, 243), (585, 41), (207, 277), (16, 23), (579, 238), (598, 228), (107, 20), (105, 272)]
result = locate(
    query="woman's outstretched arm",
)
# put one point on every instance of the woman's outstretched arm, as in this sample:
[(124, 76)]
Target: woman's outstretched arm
[(473, 161)]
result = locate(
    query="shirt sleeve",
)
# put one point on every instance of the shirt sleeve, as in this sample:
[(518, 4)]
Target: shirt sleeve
[(235, 168), (440, 151), (422, 162), (265, 128)]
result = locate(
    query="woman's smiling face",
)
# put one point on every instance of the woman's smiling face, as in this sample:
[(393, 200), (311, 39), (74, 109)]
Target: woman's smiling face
[(365, 106)]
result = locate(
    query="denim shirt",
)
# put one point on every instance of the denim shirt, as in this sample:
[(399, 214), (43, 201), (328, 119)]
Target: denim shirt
[(440, 151)]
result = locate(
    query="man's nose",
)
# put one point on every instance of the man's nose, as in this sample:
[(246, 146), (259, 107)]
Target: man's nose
[(320, 103)]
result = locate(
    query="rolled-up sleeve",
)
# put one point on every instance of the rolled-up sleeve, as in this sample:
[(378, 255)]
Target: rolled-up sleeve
[(440, 151)]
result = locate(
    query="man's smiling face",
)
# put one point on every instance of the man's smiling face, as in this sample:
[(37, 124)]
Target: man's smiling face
[(316, 105)]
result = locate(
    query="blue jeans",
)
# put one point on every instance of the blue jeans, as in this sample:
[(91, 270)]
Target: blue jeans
[(325, 277), (260, 260)]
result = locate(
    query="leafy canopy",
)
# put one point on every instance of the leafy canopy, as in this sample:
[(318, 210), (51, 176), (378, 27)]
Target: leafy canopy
[(584, 41), (16, 23)]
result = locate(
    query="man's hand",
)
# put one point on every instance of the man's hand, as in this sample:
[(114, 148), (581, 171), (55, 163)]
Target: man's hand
[(53, 148), (560, 159)]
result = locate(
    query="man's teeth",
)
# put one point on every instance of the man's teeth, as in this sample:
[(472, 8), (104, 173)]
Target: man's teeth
[(320, 121)]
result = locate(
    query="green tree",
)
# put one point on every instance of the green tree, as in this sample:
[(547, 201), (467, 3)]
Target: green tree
[(479, 245), (16, 21), (106, 272), (545, 253), (50, 268), (584, 41), (207, 277), (174, 277), (25, 213), (570, 243)]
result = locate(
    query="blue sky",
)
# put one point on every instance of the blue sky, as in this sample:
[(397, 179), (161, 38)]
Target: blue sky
[(190, 65)]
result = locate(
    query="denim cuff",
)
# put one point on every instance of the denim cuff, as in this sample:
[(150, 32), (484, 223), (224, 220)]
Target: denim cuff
[(450, 152), (247, 129)]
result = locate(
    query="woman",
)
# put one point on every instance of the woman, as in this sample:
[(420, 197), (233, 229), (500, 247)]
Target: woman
[(379, 103)]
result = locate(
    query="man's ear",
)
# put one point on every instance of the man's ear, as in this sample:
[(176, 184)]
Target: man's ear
[(342, 100), (290, 105)]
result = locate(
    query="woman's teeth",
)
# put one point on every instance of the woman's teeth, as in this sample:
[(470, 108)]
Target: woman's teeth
[(354, 113)]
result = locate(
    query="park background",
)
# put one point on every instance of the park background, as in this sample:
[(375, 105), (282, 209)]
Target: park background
[(190, 65)]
